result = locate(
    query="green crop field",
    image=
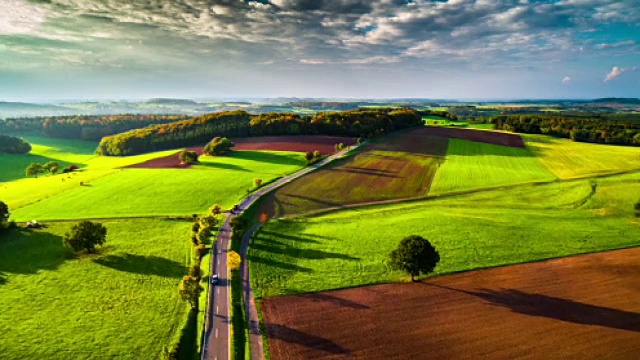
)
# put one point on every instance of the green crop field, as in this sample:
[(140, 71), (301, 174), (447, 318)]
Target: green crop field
[(472, 165), (110, 192), (350, 247), (400, 166), (567, 159), (120, 303)]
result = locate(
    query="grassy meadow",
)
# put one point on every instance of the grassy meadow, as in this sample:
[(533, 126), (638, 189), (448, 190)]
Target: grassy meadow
[(108, 191), (491, 228), (119, 304), (568, 160), (472, 165)]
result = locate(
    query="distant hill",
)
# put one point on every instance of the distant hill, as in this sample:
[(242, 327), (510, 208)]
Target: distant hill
[(17, 109), (626, 101), (169, 101)]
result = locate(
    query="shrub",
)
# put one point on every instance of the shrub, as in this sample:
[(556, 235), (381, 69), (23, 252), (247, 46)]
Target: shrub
[(218, 146), (257, 182), (188, 157)]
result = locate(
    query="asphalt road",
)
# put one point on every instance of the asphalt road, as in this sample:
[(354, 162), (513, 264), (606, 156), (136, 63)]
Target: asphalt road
[(217, 338)]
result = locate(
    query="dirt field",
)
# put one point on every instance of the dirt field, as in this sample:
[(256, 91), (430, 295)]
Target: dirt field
[(584, 307), (401, 167), (488, 137), (300, 143)]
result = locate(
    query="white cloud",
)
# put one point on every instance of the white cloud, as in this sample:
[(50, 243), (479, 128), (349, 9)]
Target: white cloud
[(566, 80), (615, 72), (616, 45), (20, 17)]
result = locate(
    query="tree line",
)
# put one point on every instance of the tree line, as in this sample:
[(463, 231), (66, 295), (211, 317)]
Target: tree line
[(85, 127), (591, 130), (364, 123), (13, 145)]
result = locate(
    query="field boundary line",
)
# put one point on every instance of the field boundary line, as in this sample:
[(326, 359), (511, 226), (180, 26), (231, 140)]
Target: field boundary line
[(449, 194)]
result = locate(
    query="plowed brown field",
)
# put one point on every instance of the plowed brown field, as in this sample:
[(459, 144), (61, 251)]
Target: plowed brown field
[(488, 137), (299, 143), (583, 307), (401, 167)]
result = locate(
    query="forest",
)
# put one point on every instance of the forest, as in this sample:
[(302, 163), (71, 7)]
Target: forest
[(85, 127), (199, 130), (617, 131)]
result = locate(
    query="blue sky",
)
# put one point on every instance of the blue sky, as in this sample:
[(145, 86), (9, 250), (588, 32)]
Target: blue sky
[(458, 49)]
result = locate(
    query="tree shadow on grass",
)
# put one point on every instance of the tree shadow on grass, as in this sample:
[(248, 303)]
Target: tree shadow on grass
[(144, 265), (278, 264), (266, 157), (27, 252), (557, 308), (223, 166), (284, 236), (293, 336), (311, 254)]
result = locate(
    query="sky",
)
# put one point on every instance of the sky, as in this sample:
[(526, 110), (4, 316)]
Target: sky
[(455, 49)]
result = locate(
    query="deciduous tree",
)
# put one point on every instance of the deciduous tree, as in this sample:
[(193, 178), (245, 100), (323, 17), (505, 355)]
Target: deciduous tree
[(85, 235), (34, 170), (233, 261), (190, 290), (414, 255)]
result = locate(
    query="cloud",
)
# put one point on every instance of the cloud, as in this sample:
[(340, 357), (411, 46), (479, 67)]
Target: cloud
[(20, 17), (616, 45), (617, 71), (566, 80)]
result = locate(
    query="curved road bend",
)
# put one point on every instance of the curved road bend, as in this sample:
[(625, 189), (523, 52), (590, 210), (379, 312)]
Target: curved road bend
[(217, 344)]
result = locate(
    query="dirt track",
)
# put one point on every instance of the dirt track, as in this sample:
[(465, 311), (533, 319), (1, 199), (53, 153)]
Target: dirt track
[(298, 143), (572, 308)]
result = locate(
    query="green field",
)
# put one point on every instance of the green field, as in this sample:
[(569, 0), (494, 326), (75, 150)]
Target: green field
[(472, 165), (567, 159), (528, 223), (121, 303), (110, 192)]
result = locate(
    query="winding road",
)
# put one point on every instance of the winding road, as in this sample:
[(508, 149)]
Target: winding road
[(217, 340)]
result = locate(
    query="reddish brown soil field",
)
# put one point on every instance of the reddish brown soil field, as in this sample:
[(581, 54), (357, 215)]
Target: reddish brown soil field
[(299, 143), (584, 307), (489, 137)]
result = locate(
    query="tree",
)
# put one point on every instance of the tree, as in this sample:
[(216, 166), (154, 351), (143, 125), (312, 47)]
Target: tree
[(257, 182), (414, 255), (34, 169), (215, 210), (218, 146), (203, 235), (188, 157), (52, 167), (4, 215), (190, 290), (233, 261), (85, 235), (308, 156), (264, 218), (317, 154)]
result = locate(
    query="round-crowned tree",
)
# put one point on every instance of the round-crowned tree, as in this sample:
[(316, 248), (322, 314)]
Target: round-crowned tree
[(414, 255), (4, 214), (85, 235)]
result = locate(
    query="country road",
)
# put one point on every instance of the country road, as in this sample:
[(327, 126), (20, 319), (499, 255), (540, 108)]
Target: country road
[(217, 344)]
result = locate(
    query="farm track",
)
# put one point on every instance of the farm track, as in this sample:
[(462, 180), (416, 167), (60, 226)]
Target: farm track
[(461, 193), (562, 308)]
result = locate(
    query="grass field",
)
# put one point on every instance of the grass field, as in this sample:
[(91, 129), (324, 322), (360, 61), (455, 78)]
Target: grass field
[(567, 159), (473, 165), (120, 304), (349, 248), (399, 166), (154, 192)]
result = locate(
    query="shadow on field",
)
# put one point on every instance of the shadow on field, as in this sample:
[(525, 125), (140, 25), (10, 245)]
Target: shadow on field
[(293, 336), (29, 251), (367, 171), (497, 150), (145, 265), (266, 157), (278, 264), (556, 308), (285, 236), (222, 166), (314, 200), (14, 165), (312, 254), (320, 297)]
